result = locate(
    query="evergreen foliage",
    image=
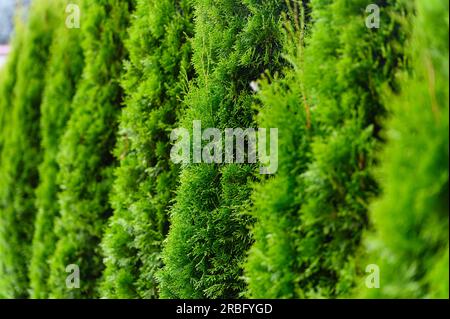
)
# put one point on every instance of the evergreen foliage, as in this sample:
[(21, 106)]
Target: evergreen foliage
[(271, 269), (21, 153), (87, 179), (8, 78), (85, 157), (63, 72), (311, 216), (235, 42), (410, 241), (154, 83), (347, 66)]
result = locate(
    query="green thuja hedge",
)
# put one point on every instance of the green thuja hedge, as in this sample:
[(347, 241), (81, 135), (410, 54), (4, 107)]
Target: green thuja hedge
[(8, 78), (345, 91), (271, 269), (235, 42), (87, 179), (63, 72), (410, 241), (155, 82), (311, 216), (347, 66), (85, 157), (21, 153)]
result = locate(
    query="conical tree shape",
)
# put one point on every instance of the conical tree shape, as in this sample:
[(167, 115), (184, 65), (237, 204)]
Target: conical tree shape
[(21, 153), (410, 243), (85, 158), (154, 83), (235, 42), (63, 72)]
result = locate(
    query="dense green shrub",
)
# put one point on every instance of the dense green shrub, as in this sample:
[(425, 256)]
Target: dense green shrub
[(8, 78), (410, 242), (63, 72), (85, 157), (363, 148), (154, 84), (235, 41), (347, 66), (271, 268), (310, 217), (21, 153)]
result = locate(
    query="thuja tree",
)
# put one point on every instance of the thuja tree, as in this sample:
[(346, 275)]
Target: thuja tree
[(410, 242), (154, 83), (8, 77), (21, 153), (347, 66), (310, 217), (63, 72), (85, 157), (271, 269), (235, 42)]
